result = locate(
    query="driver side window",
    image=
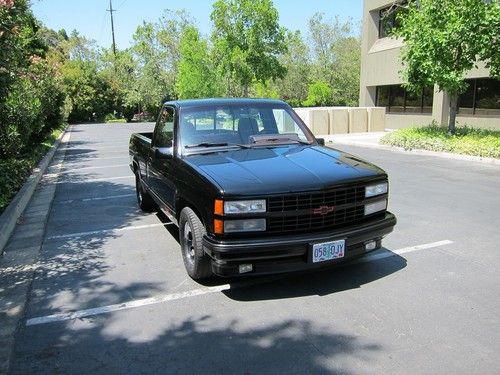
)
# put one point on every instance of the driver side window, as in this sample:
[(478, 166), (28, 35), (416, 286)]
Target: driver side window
[(164, 130)]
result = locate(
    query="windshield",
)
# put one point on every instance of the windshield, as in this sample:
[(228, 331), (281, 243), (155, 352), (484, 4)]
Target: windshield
[(239, 125)]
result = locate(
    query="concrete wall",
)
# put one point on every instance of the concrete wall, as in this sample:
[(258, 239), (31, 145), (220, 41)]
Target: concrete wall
[(342, 120), (381, 64), (397, 121)]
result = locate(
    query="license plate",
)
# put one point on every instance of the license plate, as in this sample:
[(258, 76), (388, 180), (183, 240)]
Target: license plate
[(324, 251)]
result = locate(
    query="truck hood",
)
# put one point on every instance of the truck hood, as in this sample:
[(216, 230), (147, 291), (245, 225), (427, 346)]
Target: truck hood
[(283, 169)]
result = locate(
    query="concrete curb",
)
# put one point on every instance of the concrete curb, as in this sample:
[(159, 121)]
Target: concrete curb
[(14, 210), (444, 155)]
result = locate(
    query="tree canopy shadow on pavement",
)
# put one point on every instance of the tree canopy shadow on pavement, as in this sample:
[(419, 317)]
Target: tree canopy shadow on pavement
[(194, 345), (75, 269)]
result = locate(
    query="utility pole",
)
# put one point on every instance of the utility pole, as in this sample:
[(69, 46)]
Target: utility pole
[(111, 10)]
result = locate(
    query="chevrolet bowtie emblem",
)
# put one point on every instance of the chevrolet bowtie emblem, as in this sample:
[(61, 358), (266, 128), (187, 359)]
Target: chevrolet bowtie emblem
[(323, 210)]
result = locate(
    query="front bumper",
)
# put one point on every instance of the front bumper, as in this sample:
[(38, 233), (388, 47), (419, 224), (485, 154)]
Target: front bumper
[(291, 252)]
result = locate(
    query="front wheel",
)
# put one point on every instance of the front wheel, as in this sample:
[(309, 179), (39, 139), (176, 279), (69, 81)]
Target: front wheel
[(191, 231)]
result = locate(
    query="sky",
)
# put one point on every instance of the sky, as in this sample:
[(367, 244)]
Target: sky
[(90, 18)]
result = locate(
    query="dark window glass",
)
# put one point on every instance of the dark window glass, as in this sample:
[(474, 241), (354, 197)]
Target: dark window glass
[(388, 19), (383, 96), (482, 97), (413, 102), (487, 97), (427, 100), (164, 130), (386, 23), (397, 99), (466, 100)]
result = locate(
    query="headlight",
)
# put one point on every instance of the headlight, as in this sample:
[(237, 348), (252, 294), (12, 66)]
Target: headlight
[(245, 207), (376, 206), (252, 225), (376, 189)]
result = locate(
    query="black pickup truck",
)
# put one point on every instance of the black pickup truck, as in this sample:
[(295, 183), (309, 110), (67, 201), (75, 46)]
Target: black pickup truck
[(254, 192)]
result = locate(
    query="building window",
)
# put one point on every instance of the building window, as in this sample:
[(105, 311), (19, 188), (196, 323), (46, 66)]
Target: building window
[(398, 100), (482, 97), (388, 19)]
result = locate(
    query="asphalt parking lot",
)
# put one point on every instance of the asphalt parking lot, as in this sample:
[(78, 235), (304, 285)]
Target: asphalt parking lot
[(111, 294)]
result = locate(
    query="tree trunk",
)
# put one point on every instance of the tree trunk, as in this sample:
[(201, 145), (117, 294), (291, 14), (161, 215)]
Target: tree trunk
[(453, 113), (245, 90)]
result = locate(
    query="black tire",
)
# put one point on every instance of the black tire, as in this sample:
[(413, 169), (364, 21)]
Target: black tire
[(191, 231), (144, 200)]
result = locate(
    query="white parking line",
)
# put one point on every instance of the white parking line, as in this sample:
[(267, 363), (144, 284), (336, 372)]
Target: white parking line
[(98, 167), (123, 306), (102, 231), (95, 147), (197, 292), (96, 158), (83, 152), (94, 199), (387, 254), (83, 181)]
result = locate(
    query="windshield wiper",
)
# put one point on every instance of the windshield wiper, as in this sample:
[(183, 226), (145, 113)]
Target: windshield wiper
[(207, 144), (214, 144), (280, 140)]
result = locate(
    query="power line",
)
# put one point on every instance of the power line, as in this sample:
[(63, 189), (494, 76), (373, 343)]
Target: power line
[(123, 2)]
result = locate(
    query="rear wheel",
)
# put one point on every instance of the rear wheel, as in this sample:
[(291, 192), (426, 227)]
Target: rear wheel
[(191, 231), (144, 200)]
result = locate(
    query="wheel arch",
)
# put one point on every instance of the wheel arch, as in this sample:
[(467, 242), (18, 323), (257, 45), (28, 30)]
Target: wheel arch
[(182, 203)]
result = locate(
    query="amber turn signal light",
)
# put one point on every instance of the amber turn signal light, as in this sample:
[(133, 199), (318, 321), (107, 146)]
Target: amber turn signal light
[(218, 226), (219, 207)]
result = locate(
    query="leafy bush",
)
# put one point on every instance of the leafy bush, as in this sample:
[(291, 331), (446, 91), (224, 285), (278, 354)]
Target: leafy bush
[(15, 170), (109, 117), (466, 140), (91, 96), (31, 109)]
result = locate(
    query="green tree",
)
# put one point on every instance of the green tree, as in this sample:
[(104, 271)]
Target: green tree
[(18, 42), (247, 38), (90, 95), (336, 53), (319, 94), (30, 89), (444, 39), (346, 71), (196, 73), (156, 50), (78, 63), (120, 72), (293, 87)]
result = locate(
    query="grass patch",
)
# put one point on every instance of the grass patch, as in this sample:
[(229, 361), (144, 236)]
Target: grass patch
[(116, 121), (15, 171), (467, 140)]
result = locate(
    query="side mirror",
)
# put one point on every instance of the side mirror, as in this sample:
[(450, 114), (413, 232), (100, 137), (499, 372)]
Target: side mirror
[(321, 141), (164, 153)]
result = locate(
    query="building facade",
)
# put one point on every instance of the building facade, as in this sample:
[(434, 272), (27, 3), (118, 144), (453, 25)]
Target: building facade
[(381, 83)]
